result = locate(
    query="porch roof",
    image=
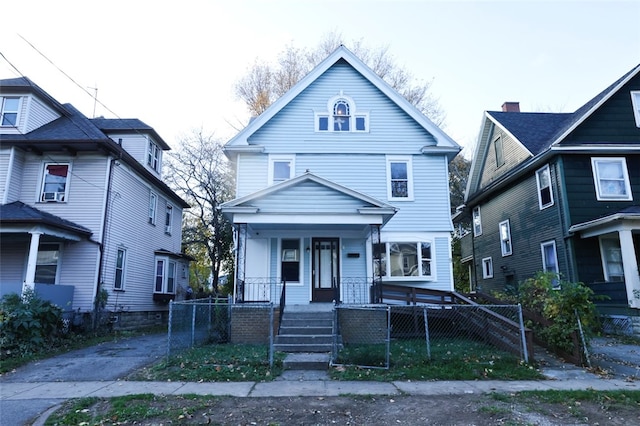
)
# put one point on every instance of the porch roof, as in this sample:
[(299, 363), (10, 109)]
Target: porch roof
[(606, 224), (19, 217)]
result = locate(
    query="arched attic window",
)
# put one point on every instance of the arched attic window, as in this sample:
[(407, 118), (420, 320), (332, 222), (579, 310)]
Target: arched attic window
[(341, 116)]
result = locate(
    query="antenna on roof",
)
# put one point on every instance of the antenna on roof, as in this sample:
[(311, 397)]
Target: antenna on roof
[(95, 99)]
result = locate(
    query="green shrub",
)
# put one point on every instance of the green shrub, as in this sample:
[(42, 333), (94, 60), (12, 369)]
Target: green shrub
[(27, 324), (559, 305)]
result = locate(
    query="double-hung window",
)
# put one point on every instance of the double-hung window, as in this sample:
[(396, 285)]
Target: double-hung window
[(545, 193), (121, 258), (477, 222), (399, 178), (47, 263), (405, 260), (153, 205), (635, 102), (168, 221), (281, 168), (505, 238), (550, 261), (290, 260), (153, 156), (611, 179), (9, 108), (499, 151), (54, 182), (487, 268), (165, 276), (611, 259)]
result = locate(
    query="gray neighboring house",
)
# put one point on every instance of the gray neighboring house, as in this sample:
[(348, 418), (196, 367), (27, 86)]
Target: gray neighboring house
[(560, 193), (84, 212)]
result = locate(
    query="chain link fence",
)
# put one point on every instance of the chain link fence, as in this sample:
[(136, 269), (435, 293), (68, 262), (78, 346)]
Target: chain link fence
[(376, 336), (198, 322)]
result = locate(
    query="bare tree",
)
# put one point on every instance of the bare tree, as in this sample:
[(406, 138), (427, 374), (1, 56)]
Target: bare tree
[(200, 173), (265, 83)]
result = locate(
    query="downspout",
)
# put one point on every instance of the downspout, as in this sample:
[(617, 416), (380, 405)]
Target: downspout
[(103, 239)]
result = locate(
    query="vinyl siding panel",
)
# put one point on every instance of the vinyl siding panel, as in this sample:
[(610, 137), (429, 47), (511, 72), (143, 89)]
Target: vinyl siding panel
[(5, 158), (78, 267), (138, 146), (14, 181), (38, 115)]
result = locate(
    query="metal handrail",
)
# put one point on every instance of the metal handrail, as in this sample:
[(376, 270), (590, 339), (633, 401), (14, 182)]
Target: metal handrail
[(283, 301)]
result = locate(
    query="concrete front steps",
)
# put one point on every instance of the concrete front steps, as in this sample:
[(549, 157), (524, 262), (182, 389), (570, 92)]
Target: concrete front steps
[(306, 337)]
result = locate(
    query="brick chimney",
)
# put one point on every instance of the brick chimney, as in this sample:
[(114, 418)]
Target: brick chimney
[(511, 107)]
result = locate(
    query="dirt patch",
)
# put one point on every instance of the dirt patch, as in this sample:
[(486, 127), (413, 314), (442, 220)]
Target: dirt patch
[(360, 410)]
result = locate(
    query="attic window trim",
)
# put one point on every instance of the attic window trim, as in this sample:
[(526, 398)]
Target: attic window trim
[(355, 121), (635, 102), (4, 112)]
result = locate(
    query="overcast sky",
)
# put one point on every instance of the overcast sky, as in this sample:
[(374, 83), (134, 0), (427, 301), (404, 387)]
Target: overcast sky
[(173, 65)]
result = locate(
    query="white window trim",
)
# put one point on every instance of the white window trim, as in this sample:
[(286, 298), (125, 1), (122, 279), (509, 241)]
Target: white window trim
[(487, 261), (635, 102), (400, 159), (301, 260), (418, 243), (154, 155), (596, 178), (281, 158), (59, 197), (58, 260), (153, 207), (476, 234), (2, 111), (544, 258), (603, 258), (502, 245), (544, 206), (168, 215), (353, 114), (498, 141), (123, 278), (165, 274)]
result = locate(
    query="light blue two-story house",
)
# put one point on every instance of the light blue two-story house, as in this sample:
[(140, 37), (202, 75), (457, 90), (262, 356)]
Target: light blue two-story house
[(341, 184), (86, 220)]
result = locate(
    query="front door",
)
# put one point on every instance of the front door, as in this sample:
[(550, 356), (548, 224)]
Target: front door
[(325, 271)]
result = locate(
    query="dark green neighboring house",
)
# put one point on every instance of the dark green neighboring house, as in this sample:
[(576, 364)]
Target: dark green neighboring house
[(560, 192)]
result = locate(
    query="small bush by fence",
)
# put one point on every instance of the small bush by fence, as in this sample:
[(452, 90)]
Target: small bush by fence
[(379, 336)]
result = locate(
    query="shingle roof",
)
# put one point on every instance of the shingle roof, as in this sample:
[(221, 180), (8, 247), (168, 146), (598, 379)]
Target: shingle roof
[(18, 212), (127, 125), (533, 129)]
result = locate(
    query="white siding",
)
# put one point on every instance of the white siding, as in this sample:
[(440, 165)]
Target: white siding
[(78, 268), (137, 145), (38, 114)]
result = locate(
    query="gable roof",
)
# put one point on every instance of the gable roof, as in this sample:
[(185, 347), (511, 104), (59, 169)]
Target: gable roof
[(537, 132), (19, 213), (240, 140)]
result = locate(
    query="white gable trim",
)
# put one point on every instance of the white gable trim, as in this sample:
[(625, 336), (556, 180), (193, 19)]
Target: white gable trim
[(241, 139)]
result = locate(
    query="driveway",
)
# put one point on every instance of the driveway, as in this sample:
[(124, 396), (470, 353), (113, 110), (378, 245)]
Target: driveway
[(105, 361)]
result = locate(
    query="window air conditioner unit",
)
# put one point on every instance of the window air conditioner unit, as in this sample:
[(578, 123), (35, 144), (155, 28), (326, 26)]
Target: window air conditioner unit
[(53, 196)]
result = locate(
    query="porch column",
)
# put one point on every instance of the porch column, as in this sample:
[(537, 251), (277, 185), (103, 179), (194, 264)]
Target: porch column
[(31, 262), (630, 266), (241, 251)]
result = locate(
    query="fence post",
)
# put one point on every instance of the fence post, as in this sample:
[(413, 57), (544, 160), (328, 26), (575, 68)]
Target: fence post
[(193, 325), (271, 336), (169, 329), (525, 350), (209, 325), (426, 333), (388, 336)]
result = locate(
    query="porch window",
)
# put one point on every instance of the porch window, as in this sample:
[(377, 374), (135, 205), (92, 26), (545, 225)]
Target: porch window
[(550, 260), (477, 222), (545, 194), (153, 205), (153, 156), (281, 168), (487, 268), (165, 276), (121, 258), (611, 179), (47, 263), (505, 238), (405, 259), (9, 106), (290, 260), (612, 259), (399, 178), (54, 183)]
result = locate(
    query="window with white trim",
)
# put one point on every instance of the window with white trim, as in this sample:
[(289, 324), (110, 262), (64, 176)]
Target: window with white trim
[(153, 205), (47, 263), (499, 151), (153, 156), (54, 182), (281, 168), (635, 102), (611, 179), (9, 110), (487, 268), (165, 276), (290, 260), (121, 258), (400, 260), (477, 222), (341, 116), (611, 259), (545, 193), (550, 261), (168, 220), (399, 178), (505, 238)]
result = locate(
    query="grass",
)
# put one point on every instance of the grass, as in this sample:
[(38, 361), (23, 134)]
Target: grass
[(216, 363), (451, 359), (70, 342)]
